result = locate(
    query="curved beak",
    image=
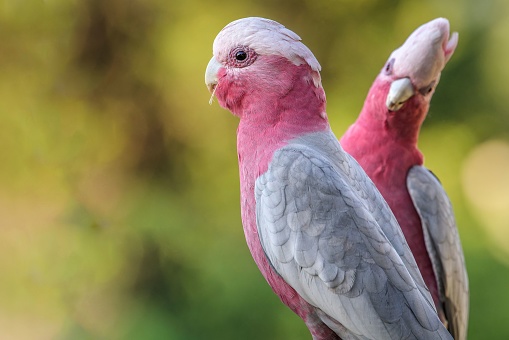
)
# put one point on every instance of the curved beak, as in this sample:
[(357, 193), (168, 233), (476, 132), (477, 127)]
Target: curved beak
[(401, 90), (211, 74)]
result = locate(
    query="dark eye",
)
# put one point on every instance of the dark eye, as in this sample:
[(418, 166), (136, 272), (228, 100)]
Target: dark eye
[(388, 66), (241, 55), (427, 89)]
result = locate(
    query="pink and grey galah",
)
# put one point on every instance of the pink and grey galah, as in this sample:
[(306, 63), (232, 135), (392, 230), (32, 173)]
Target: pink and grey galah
[(320, 232), (384, 141)]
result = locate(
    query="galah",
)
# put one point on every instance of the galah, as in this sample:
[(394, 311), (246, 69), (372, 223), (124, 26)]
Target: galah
[(384, 141), (318, 229)]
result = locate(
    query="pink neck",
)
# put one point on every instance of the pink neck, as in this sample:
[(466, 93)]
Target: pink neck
[(385, 145), (258, 139), (272, 116), (402, 126), (267, 122)]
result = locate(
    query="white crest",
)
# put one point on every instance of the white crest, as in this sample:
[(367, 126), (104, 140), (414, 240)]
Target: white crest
[(425, 52), (266, 37)]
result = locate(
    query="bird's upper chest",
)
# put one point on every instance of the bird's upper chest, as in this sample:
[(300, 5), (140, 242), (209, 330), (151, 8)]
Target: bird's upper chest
[(386, 162)]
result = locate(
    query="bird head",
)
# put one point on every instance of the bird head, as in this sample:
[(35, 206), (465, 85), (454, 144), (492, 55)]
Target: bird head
[(258, 59), (414, 68)]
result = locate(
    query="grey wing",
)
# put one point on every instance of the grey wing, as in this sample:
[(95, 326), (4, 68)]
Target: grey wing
[(443, 245), (355, 177), (320, 237)]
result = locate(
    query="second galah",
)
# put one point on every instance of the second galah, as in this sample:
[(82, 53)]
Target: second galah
[(318, 229), (384, 141)]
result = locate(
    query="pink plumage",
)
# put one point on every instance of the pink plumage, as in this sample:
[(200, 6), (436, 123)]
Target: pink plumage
[(318, 229), (384, 141)]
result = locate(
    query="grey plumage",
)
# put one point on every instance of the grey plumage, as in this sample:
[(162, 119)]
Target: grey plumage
[(443, 245), (328, 232)]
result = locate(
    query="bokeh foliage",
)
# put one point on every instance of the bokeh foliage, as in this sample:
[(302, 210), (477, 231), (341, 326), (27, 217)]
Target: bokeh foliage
[(119, 209)]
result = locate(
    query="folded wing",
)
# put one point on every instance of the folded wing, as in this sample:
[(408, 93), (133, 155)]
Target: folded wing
[(321, 235), (443, 245)]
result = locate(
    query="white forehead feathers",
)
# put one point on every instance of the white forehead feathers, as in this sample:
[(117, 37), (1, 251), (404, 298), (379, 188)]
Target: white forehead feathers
[(266, 37), (425, 52)]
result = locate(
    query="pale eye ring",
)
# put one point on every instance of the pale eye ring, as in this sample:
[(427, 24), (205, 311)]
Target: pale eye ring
[(241, 56), (388, 66), (427, 89)]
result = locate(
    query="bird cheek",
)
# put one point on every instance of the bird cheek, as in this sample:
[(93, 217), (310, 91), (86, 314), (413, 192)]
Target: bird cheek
[(221, 73), (223, 84), (229, 91)]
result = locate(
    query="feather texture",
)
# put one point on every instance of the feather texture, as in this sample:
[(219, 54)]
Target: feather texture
[(326, 229), (384, 141), (316, 226), (443, 244)]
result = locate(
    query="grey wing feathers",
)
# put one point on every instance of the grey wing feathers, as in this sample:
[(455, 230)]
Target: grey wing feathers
[(321, 237), (443, 245), (355, 177)]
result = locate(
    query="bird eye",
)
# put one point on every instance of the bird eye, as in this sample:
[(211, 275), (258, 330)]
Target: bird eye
[(427, 89), (241, 55), (388, 66)]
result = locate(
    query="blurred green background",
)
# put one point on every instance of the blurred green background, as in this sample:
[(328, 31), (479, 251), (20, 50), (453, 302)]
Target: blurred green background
[(119, 193)]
